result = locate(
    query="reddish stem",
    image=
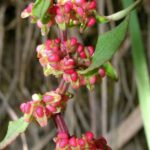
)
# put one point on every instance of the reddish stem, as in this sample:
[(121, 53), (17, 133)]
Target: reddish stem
[(60, 123), (62, 88), (58, 119)]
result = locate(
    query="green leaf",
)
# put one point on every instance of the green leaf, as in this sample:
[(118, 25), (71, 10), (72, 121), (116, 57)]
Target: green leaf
[(15, 128), (141, 70), (40, 9), (110, 71), (107, 45)]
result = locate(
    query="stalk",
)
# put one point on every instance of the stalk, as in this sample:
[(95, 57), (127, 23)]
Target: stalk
[(62, 88)]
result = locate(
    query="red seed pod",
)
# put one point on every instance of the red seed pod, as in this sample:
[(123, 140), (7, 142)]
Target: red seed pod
[(29, 8), (59, 19), (73, 41), (91, 50), (81, 142), (56, 49), (102, 72), (51, 108), (80, 11), (47, 112), (93, 80), (47, 98), (74, 76), (54, 58), (53, 9), (22, 107), (69, 62), (80, 2), (102, 140), (69, 71), (48, 44), (83, 54), (80, 48), (73, 142), (27, 108), (89, 135), (57, 40), (67, 7), (63, 143), (92, 5), (39, 110), (91, 22)]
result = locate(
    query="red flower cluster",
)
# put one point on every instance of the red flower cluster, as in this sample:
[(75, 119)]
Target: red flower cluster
[(87, 141), (66, 13), (42, 107), (68, 58)]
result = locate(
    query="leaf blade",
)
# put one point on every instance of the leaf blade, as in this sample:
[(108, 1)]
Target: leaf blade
[(15, 128), (141, 69), (107, 45), (40, 8)]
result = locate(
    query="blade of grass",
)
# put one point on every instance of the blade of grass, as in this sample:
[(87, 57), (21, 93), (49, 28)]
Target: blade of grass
[(141, 70)]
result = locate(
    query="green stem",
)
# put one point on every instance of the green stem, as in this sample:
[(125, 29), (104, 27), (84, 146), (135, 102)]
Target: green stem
[(123, 13), (119, 15)]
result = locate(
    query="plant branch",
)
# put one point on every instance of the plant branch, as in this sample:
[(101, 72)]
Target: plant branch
[(62, 88)]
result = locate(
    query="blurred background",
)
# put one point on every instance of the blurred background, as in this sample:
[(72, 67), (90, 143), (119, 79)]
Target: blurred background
[(111, 110)]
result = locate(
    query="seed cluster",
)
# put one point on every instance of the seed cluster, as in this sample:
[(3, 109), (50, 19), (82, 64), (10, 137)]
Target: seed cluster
[(86, 142), (67, 58), (42, 107), (66, 13)]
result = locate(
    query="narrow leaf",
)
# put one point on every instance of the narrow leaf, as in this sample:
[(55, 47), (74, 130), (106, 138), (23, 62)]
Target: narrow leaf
[(40, 8), (107, 45), (141, 70), (15, 128)]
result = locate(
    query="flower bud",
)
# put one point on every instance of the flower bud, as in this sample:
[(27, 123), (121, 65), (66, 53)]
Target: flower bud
[(39, 110), (36, 97)]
